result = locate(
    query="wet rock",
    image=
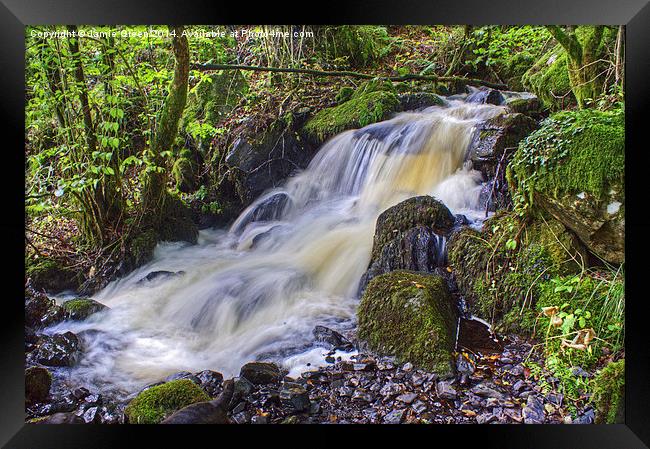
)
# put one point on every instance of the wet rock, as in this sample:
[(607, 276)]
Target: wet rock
[(242, 388), (261, 373), (57, 350), (486, 390), (419, 100), (485, 418), (586, 418), (295, 396), (361, 395), (445, 390), (60, 418), (485, 95), (332, 338), (533, 411), (182, 375), (394, 417), (418, 249), (40, 311), (407, 398), (81, 308), (210, 381), (38, 381), (259, 419), (159, 275)]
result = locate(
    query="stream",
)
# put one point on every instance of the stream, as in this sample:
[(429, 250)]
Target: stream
[(290, 262)]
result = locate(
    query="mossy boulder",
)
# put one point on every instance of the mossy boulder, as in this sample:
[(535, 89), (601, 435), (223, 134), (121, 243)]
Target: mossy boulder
[(574, 168), (416, 211), (50, 274), (156, 403), (38, 381), (140, 249), (372, 102), (609, 394), (183, 173), (500, 268), (81, 308), (410, 316)]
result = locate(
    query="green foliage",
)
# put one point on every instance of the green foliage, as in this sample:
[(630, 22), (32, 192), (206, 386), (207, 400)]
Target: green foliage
[(572, 152), (409, 315), (508, 50), (355, 45), (158, 402)]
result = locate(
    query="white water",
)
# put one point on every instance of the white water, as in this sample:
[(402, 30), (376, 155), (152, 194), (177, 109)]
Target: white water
[(239, 302)]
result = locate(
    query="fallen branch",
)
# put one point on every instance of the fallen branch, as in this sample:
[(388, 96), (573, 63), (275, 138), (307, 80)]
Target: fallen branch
[(407, 77)]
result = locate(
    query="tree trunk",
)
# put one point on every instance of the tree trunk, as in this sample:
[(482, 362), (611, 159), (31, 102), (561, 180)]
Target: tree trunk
[(582, 61), (164, 212)]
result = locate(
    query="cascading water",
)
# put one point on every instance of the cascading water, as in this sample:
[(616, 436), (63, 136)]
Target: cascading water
[(291, 261)]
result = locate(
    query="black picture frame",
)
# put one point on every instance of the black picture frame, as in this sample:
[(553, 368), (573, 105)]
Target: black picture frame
[(635, 14)]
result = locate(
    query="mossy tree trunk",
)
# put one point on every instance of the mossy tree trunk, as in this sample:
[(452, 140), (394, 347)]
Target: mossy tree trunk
[(583, 61), (161, 209)]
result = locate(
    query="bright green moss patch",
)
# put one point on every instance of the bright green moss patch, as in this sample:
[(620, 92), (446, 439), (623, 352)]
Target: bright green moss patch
[(572, 152), (371, 102), (609, 394), (81, 308), (548, 78), (183, 175), (410, 316), (156, 403)]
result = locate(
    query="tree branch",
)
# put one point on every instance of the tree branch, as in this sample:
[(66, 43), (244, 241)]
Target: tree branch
[(407, 77)]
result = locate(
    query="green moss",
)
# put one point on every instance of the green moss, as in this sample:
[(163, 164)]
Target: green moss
[(609, 394), (572, 152), (371, 102), (156, 403), (345, 93), (500, 281), (410, 316), (81, 308), (140, 249), (548, 78), (183, 174), (51, 274)]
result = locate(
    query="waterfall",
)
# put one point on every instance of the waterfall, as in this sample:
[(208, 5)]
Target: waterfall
[(292, 260)]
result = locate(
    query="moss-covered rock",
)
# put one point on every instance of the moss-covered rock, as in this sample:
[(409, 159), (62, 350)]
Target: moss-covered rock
[(418, 100), (183, 174), (499, 270), (410, 316), (372, 102), (50, 274), (156, 403), (38, 381), (574, 168), (140, 248), (609, 394), (416, 211), (81, 308)]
